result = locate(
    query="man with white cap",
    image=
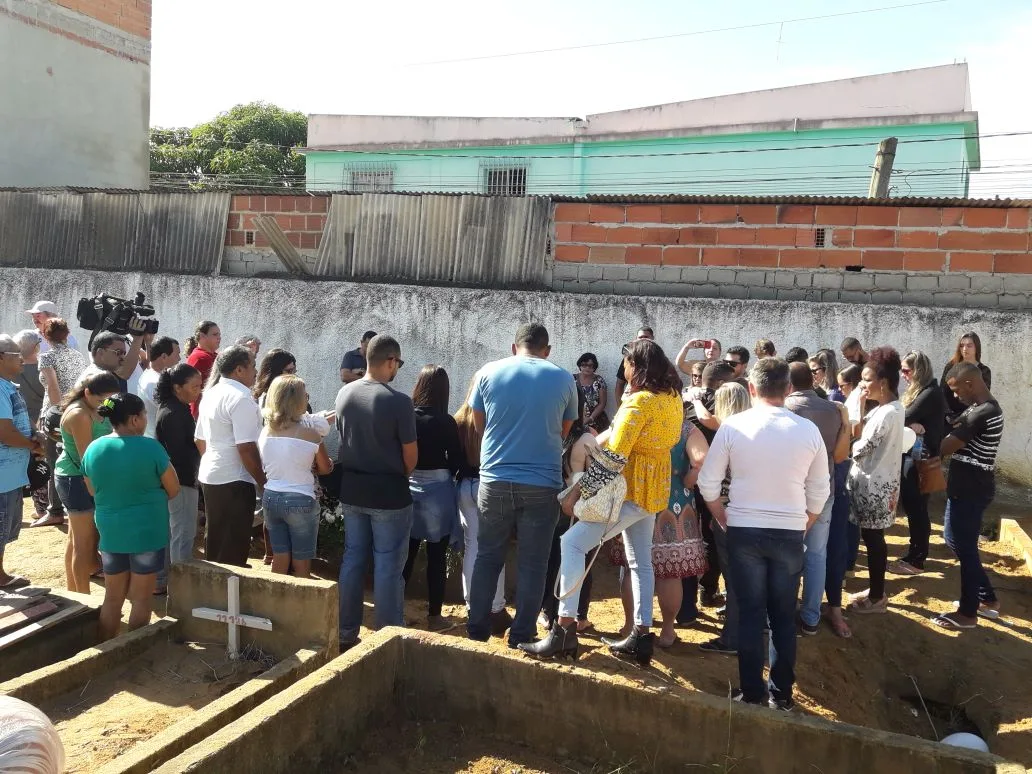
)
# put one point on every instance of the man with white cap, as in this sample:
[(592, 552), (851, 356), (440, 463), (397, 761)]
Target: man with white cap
[(41, 312)]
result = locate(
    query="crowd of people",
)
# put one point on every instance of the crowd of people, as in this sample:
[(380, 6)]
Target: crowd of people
[(766, 471)]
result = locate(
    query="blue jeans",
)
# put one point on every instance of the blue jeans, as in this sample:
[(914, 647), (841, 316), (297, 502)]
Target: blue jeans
[(838, 538), (729, 634), (10, 517), (815, 565), (963, 525), (533, 511), (765, 569), (385, 534), (293, 523)]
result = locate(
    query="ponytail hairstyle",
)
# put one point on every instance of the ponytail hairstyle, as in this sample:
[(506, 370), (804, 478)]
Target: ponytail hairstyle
[(120, 408), (176, 376), (203, 327), (227, 362), (189, 345), (98, 384)]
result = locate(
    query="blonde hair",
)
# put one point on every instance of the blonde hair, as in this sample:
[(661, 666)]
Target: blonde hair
[(920, 376), (285, 402), (730, 398), (468, 435)]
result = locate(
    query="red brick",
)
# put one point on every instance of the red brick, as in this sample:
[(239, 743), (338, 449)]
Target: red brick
[(571, 253), (800, 214), (642, 213), (758, 256), (877, 216), (563, 232), (320, 204), (235, 239), (720, 256), (607, 254), (647, 255), (318, 240), (1013, 263), (952, 216), (272, 204), (681, 256), (924, 261), (315, 222), (874, 237), (835, 216), (842, 237), (805, 237), (971, 261), (987, 241), (837, 259), (297, 223), (288, 203), (736, 236), (260, 240), (758, 214), (303, 203), (1018, 218), (283, 221), (799, 259), (592, 234), (680, 213), (248, 222), (985, 217), (697, 236), (294, 239), (234, 221), (309, 241), (605, 213), (919, 240), (776, 237), (240, 204), (718, 213), (256, 204), (570, 213), (618, 236), (661, 236), (882, 259), (920, 216)]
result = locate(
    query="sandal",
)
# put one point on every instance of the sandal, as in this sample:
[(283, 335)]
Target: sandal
[(904, 568), (840, 627), (866, 607), (947, 621), (986, 610), (16, 582)]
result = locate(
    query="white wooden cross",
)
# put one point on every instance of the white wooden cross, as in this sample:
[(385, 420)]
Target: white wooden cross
[(233, 617)]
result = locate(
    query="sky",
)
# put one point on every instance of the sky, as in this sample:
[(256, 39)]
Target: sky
[(341, 56)]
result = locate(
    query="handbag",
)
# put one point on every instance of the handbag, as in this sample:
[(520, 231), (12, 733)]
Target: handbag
[(39, 472), (929, 475)]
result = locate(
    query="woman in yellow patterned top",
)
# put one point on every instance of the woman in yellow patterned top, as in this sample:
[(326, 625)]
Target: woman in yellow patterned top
[(645, 429)]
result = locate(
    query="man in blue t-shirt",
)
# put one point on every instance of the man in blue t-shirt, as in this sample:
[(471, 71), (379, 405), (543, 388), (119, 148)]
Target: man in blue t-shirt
[(524, 406)]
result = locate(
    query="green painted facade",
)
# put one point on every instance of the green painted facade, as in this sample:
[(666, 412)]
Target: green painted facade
[(931, 160)]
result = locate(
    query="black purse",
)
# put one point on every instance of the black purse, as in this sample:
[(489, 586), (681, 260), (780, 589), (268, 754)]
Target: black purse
[(39, 473)]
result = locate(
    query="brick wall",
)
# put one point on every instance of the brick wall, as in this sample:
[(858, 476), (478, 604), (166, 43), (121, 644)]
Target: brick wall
[(960, 256), (132, 16), (302, 218)]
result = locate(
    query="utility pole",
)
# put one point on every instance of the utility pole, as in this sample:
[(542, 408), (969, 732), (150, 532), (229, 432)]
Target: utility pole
[(882, 169)]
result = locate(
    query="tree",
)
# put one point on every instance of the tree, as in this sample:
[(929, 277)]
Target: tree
[(253, 145)]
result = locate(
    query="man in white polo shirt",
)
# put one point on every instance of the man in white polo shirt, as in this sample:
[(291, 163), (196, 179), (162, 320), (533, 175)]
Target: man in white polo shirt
[(779, 483)]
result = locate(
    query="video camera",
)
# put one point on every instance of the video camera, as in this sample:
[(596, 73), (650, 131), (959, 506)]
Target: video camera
[(110, 313)]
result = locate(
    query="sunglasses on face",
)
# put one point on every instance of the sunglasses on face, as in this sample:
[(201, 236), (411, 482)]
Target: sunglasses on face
[(906, 370), (397, 360), (816, 370)]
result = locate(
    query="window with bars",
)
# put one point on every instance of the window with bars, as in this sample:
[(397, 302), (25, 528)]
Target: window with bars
[(506, 181), (371, 180)]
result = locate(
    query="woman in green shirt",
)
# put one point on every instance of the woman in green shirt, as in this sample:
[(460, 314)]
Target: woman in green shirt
[(81, 425), (132, 481)]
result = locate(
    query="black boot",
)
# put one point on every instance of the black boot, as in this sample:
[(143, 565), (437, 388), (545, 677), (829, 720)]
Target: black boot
[(560, 641), (637, 645)]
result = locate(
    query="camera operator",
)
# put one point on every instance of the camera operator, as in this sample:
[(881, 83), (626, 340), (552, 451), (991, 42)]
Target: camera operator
[(111, 354)]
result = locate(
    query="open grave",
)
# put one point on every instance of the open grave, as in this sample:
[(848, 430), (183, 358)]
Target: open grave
[(131, 703), (411, 701)]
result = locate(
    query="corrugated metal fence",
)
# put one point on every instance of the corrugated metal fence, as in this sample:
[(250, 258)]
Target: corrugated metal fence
[(166, 232), (493, 241)]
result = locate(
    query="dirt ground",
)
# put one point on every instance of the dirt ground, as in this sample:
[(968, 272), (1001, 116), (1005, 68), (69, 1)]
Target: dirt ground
[(968, 680)]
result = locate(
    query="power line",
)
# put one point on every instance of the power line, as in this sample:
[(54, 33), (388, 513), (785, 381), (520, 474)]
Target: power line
[(676, 34)]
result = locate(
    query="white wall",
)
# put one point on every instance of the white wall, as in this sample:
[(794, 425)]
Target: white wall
[(70, 115), (461, 329)]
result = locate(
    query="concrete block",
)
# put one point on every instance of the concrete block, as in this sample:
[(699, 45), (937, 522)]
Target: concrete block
[(919, 298), (666, 289), (601, 286), (763, 293), (985, 283), (614, 272), (890, 281), (641, 273), (1020, 283), (694, 274), (857, 281), (734, 291), (922, 282), (803, 279), (707, 291), (668, 274), (781, 279), (854, 296), (589, 271), (950, 299), (722, 275), (830, 296), (791, 294), (565, 271), (576, 286), (887, 297), (755, 278), (982, 300), (954, 282), (625, 288), (1015, 301), (827, 279)]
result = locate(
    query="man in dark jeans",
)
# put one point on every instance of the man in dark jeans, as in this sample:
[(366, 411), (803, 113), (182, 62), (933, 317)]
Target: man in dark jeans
[(524, 406), (779, 484), (973, 441)]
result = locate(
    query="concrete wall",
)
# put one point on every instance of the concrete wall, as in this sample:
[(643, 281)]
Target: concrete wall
[(461, 329), (76, 98)]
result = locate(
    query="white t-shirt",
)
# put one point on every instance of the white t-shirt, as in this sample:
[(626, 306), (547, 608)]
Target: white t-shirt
[(145, 389), (778, 464), (288, 463), (227, 416)]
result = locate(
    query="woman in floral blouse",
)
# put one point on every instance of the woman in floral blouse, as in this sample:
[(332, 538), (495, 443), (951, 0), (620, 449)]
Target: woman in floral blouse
[(593, 389), (645, 429)]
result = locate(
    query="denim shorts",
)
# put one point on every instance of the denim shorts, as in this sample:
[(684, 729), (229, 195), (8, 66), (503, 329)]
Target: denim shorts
[(73, 493), (293, 523), (10, 517), (144, 563)]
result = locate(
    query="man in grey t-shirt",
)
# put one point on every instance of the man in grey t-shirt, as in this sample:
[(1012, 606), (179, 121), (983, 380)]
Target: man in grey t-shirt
[(377, 426), (832, 421)]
